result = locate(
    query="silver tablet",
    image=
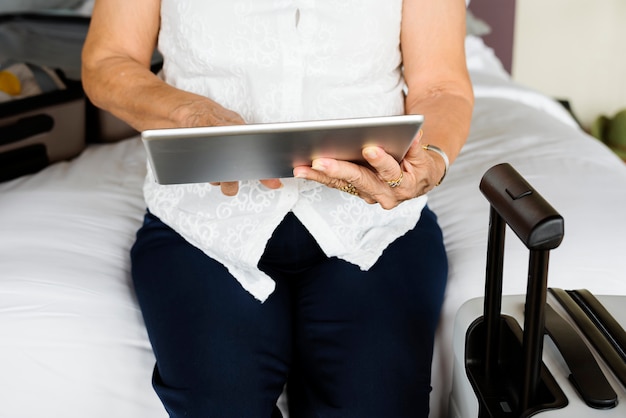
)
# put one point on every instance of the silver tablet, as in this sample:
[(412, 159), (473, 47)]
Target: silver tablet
[(270, 150)]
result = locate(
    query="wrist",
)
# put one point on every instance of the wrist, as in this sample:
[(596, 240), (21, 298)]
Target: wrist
[(443, 156)]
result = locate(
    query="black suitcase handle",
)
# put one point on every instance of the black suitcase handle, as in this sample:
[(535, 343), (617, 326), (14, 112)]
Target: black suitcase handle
[(598, 325), (585, 372), (540, 227), (527, 386), (530, 216)]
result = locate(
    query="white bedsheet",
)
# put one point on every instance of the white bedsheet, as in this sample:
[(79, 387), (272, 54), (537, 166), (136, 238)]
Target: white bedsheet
[(72, 342)]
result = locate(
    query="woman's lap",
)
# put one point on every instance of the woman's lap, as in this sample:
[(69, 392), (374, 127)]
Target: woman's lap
[(355, 343), (201, 325)]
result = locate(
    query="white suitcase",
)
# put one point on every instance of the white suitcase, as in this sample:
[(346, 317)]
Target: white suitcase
[(504, 364), (463, 399)]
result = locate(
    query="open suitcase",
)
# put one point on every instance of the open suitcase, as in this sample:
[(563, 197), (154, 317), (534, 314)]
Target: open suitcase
[(38, 130), (504, 370), (55, 124)]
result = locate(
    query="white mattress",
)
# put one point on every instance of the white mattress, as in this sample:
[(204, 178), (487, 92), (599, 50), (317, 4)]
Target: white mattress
[(72, 342)]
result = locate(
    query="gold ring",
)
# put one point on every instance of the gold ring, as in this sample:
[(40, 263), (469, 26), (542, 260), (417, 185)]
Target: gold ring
[(349, 188), (396, 182)]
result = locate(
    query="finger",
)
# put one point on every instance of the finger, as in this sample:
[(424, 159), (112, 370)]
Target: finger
[(317, 173), (414, 150), (369, 200), (229, 188), (337, 174), (272, 183), (385, 165)]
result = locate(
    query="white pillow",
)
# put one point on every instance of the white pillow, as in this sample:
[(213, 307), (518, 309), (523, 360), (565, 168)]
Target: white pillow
[(17, 6)]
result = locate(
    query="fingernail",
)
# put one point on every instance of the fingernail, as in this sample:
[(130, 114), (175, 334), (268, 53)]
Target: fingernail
[(318, 166), (371, 152)]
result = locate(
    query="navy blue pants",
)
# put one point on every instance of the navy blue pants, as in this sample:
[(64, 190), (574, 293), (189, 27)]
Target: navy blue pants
[(350, 343)]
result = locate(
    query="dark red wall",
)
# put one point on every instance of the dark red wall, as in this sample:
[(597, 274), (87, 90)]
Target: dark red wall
[(500, 15)]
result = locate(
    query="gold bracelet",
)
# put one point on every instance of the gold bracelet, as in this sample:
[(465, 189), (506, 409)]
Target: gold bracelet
[(443, 155)]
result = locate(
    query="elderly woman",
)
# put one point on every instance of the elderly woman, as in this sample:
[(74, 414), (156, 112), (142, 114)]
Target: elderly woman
[(245, 286)]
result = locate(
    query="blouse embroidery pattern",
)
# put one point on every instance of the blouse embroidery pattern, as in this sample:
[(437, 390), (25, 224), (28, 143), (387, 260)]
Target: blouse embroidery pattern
[(283, 60)]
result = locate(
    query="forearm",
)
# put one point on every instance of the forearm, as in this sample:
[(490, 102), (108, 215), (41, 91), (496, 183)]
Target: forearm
[(447, 115), (435, 70), (116, 71), (133, 93)]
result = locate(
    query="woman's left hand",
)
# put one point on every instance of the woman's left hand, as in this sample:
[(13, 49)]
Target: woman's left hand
[(387, 183)]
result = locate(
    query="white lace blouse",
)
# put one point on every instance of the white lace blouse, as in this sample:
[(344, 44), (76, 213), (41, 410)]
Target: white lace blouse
[(283, 60)]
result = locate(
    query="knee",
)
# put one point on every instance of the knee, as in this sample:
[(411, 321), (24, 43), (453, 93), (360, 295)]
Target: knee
[(222, 397)]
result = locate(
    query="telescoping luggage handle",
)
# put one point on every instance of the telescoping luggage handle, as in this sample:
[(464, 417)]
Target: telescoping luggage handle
[(541, 228)]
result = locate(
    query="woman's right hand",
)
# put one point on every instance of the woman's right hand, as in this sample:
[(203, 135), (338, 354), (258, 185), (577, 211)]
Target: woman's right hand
[(210, 113), (116, 75), (194, 111)]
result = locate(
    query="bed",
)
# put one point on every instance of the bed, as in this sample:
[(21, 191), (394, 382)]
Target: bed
[(72, 340)]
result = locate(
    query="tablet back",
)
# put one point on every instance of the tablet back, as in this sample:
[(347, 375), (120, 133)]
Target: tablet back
[(262, 151)]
